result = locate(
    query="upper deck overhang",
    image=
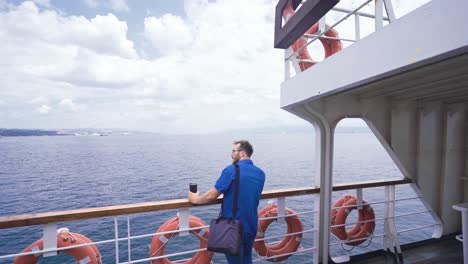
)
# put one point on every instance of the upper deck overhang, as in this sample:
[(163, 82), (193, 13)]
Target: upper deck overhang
[(422, 56)]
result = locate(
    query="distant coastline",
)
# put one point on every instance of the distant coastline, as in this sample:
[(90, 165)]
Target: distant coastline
[(4, 132), (17, 132)]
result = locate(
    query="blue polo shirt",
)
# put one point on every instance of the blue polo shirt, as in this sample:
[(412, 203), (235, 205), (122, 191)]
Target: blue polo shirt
[(251, 184)]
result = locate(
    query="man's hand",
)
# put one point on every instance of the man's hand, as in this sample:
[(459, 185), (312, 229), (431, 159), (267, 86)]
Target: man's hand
[(206, 198), (193, 197)]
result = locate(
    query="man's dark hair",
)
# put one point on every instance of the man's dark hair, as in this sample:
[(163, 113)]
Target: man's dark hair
[(245, 146)]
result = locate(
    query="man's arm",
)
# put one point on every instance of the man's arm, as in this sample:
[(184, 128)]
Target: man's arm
[(207, 197)]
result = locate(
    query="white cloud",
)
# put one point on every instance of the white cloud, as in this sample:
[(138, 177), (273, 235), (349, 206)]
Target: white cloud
[(45, 44), (39, 100), (119, 5), (43, 109), (167, 33), (69, 105), (102, 34)]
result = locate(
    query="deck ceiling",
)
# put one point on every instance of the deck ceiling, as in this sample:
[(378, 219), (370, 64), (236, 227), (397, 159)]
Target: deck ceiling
[(445, 81)]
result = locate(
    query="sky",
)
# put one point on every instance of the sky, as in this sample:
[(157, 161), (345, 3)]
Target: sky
[(166, 66)]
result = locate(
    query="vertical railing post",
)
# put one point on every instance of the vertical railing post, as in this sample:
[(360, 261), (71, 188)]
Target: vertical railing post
[(391, 241), (316, 236), (184, 224), (378, 15), (322, 24), (128, 240), (281, 205), (287, 64), (116, 236), (359, 198), (50, 238), (357, 27), (386, 237)]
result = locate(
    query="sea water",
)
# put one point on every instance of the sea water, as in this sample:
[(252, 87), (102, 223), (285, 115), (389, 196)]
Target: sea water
[(43, 174)]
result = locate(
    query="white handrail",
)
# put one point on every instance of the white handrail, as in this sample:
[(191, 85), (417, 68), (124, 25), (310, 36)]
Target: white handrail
[(286, 235), (286, 216)]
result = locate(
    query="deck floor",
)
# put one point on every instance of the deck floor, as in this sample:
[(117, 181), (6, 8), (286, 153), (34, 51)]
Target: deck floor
[(445, 251)]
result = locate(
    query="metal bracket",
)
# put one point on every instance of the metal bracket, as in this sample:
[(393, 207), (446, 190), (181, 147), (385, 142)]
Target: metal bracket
[(50, 238), (184, 215)]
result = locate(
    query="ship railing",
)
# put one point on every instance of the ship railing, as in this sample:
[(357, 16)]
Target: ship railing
[(390, 233), (290, 56), (50, 220)]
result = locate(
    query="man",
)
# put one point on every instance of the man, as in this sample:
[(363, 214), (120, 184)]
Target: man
[(251, 184)]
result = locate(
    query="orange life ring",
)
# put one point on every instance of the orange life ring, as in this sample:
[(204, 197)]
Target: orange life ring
[(360, 230), (159, 241), (331, 46), (289, 243), (86, 254)]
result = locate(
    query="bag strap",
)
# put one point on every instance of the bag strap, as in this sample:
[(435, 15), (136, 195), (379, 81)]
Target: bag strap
[(236, 194), (236, 191)]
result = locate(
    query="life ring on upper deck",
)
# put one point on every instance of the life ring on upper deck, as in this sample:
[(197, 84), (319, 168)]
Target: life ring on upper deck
[(360, 231), (86, 254), (289, 244), (331, 46), (159, 242)]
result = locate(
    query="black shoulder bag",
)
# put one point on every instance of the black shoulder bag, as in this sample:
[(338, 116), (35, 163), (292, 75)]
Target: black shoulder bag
[(226, 233)]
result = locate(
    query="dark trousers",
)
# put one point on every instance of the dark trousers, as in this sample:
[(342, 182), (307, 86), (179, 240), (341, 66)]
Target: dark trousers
[(245, 256)]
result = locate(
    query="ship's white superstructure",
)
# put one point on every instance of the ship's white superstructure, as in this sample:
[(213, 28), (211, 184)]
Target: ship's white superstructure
[(409, 82)]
